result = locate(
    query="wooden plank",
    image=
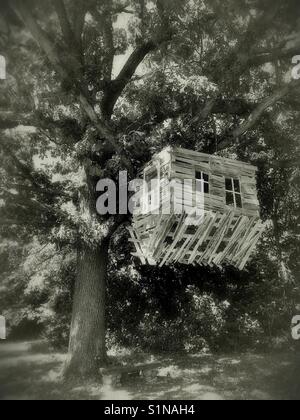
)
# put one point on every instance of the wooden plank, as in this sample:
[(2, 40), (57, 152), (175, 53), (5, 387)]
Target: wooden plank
[(222, 234), (241, 223), (251, 248), (158, 245), (155, 234), (239, 241), (201, 256), (208, 228), (177, 237), (139, 251), (180, 253), (190, 172), (200, 236), (214, 158), (247, 238), (215, 239)]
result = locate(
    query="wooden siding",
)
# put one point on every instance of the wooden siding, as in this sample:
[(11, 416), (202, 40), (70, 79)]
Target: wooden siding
[(185, 163)]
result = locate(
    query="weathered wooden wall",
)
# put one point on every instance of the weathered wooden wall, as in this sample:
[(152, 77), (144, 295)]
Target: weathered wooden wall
[(186, 162)]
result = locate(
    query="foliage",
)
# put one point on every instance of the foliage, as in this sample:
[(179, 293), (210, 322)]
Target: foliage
[(170, 309), (199, 77)]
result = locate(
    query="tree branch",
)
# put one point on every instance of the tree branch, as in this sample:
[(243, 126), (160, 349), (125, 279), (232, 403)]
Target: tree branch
[(206, 110), (79, 20), (106, 21), (263, 57), (258, 113), (10, 120), (201, 110), (46, 44), (23, 10), (261, 108), (117, 86), (245, 54), (122, 8), (255, 30), (104, 130), (112, 94), (142, 16), (22, 167), (64, 22)]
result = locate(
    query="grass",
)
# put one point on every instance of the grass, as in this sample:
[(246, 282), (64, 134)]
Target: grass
[(33, 373)]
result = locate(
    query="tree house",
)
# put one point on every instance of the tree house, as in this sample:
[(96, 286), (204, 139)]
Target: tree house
[(195, 208)]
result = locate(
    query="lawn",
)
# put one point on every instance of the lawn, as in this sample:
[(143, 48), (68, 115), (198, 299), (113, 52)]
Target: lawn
[(30, 372)]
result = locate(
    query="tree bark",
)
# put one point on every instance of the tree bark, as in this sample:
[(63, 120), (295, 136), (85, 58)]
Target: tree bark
[(87, 348)]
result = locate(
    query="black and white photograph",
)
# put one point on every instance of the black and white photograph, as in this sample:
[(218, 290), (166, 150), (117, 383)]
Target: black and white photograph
[(149, 202)]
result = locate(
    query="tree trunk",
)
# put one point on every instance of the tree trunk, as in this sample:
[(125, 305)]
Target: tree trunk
[(87, 348)]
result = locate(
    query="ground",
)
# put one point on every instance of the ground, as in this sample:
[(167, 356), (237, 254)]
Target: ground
[(30, 372)]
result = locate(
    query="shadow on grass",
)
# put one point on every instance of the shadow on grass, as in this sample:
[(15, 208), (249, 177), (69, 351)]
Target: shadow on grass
[(33, 375)]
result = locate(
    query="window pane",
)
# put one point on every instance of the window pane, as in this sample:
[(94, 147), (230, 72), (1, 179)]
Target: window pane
[(229, 199), (228, 184), (198, 175), (206, 188), (206, 177), (199, 185), (237, 187), (238, 199)]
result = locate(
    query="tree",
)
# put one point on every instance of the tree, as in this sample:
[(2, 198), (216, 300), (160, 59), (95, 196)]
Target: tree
[(195, 70)]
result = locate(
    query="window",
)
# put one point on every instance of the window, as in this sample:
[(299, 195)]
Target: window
[(233, 192), (204, 178)]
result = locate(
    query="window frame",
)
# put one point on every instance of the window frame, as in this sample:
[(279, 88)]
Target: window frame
[(200, 171), (234, 192)]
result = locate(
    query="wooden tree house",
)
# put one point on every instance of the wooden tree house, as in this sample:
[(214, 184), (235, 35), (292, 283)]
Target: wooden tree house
[(172, 225)]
